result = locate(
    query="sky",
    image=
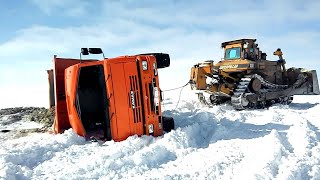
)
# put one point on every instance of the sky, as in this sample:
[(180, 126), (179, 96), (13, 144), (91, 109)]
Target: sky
[(191, 31)]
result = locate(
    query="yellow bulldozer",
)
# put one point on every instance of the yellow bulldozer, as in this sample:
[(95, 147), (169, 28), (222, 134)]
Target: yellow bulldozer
[(246, 79)]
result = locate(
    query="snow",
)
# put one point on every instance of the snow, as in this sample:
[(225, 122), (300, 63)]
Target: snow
[(281, 142), (10, 125), (16, 122)]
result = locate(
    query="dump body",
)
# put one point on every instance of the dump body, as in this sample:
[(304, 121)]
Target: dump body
[(114, 98), (247, 79)]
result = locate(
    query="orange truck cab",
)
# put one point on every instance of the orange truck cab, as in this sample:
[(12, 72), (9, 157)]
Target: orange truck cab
[(110, 99)]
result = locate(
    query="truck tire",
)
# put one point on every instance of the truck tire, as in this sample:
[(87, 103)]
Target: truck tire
[(163, 59), (168, 123)]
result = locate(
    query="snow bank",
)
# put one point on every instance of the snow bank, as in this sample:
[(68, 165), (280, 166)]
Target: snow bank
[(207, 143)]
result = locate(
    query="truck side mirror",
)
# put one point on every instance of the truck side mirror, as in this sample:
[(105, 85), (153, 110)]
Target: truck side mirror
[(87, 51), (84, 51), (95, 51)]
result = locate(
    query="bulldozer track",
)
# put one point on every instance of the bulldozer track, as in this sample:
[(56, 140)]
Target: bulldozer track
[(268, 84), (239, 99)]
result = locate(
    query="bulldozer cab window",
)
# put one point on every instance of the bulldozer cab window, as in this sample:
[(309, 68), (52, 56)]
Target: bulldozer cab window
[(232, 53)]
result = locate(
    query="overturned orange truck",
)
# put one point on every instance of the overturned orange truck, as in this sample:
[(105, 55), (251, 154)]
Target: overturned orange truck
[(109, 99)]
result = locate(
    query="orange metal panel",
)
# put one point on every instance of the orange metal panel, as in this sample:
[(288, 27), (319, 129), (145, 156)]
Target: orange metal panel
[(61, 121), (111, 100), (71, 84), (121, 122), (134, 96), (146, 78)]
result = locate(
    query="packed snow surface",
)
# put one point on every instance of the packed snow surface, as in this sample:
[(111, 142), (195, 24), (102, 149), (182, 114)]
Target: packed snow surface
[(281, 142)]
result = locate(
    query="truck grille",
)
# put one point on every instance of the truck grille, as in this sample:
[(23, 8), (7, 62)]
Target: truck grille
[(136, 108)]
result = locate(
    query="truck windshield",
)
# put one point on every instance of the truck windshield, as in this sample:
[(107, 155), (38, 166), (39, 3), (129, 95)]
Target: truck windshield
[(233, 53)]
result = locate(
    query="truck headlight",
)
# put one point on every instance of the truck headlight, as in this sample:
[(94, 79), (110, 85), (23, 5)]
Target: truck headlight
[(155, 69), (156, 96), (144, 65), (150, 128)]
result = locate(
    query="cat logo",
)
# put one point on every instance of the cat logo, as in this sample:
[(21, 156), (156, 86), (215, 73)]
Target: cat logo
[(133, 100), (231, 66)]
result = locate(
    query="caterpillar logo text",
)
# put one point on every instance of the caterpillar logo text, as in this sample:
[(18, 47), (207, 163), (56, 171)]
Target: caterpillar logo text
[(229, 66)]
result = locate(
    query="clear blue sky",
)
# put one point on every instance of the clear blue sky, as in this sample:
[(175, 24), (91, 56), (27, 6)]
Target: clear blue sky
[(32, 31)]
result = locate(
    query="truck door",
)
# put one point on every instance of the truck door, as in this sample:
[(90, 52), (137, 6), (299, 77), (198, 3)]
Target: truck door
[(71, 87), (126, 98)]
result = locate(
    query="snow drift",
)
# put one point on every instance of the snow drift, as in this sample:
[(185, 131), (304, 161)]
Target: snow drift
[(281, 142)]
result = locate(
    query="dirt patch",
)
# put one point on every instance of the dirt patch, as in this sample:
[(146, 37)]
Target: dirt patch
[(9, 116), (20, 110), (40, 115)]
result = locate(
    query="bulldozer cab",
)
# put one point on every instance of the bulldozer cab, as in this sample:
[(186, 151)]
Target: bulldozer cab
[(242, 49)]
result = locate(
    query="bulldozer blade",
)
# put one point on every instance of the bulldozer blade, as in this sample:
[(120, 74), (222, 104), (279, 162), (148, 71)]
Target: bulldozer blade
[(315, 83), (312, 88)]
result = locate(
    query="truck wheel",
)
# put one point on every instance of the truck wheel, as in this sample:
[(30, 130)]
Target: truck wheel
[(163, 59), (168, 123)]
